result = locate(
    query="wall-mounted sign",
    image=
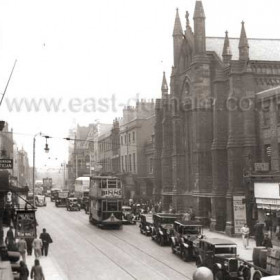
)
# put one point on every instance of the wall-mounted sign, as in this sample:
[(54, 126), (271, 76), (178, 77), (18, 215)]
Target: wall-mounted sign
[(6, 163), (261, 166), (239, 213)]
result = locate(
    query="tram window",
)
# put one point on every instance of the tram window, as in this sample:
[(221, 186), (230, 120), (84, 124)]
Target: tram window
[(119, 184), (112, 206), (111, 183), (103, 184)]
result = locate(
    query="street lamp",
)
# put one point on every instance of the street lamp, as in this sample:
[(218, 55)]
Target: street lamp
[(46, 150)]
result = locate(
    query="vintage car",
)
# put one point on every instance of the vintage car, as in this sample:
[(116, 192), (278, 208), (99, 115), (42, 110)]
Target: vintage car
[(54, 193), (186, 234), (220, 255), (40, 200), (146, 223), (72, 204), (127, 215), (162, 228)]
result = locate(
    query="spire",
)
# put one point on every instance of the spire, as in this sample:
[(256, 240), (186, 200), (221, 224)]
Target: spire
[(164, 86), (227, 55), (177, 25), (199, 28), (198, 10), (243, 44), (177, 38)]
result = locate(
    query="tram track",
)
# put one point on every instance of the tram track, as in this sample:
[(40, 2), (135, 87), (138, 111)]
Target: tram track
[(112, 238)]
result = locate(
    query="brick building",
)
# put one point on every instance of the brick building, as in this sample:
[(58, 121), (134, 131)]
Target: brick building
[(136, 129), (109, 150), (206, 131)]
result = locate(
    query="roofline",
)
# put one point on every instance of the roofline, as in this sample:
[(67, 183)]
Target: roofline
[(267, 39)]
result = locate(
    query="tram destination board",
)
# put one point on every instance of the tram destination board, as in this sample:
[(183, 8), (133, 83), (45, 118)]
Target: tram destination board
[(6, 163)]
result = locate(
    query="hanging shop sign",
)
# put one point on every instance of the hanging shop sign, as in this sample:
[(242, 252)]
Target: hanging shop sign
[(6, 163), (239, 213)]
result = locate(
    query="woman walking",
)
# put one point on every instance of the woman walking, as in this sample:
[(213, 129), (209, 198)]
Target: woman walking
[(37, 271), (23, 271), (245, 235)]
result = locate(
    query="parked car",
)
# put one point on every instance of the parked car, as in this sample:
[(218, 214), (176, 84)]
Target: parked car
[(127, 215), (162, 229), (72, 204), (146, 223), (186, 233), (40, 200), (220, 255)]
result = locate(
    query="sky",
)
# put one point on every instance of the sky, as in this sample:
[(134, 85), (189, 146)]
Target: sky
[(91, 58)]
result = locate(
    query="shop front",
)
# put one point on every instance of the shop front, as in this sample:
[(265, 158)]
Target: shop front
[(267, 197)]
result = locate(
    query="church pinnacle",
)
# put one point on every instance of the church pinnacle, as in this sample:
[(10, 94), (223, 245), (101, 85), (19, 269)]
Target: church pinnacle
[(226, 50), (199, 28), (164, 86), (243, 44), (177, 25)]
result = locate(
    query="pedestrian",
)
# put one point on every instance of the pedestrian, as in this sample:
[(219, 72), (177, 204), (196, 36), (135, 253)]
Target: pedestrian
[(37, 271), (259, 236), (37, 246), (46, 239), (29, 242), (245, 231), (267, 241), (23, 271), (186, 217), (22, 247), (10, 237)]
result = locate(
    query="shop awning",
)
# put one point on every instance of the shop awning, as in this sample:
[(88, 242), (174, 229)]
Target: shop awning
[(268, 203)]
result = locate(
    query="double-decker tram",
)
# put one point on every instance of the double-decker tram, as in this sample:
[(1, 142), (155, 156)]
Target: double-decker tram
[(105, 201)]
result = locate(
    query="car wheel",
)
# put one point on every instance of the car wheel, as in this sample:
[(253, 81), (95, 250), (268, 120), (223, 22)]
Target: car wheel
[(161, 241), (218, 275), (185, 254), (198, 262), (173, 248), (257, 275)]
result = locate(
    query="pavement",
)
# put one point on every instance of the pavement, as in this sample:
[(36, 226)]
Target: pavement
[(50, 269)]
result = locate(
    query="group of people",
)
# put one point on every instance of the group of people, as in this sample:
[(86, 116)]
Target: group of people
[(262, 238), (40, 246)]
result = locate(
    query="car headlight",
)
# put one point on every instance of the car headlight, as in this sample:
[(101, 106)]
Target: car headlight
[(225, 263)]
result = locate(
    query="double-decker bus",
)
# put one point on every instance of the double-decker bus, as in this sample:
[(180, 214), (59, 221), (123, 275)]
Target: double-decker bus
[(105, 201)]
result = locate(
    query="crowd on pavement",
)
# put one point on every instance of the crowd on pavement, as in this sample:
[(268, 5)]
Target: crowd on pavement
[(40, 246)]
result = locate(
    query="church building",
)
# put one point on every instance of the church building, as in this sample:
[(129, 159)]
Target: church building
[(207, 123)]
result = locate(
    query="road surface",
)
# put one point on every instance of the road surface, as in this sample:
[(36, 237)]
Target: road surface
[(82, 251)]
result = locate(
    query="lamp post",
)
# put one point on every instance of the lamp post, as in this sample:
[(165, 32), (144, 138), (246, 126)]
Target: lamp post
[(46, 150)]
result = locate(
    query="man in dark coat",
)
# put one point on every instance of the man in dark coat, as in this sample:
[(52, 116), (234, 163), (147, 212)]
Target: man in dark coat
[(267, 241), (46, 239), (259, 236)]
